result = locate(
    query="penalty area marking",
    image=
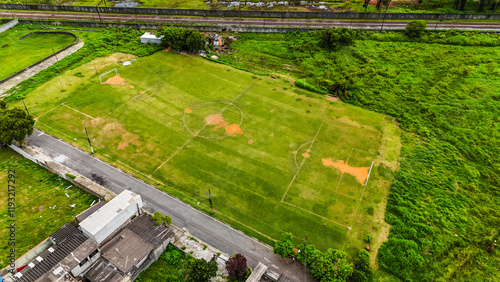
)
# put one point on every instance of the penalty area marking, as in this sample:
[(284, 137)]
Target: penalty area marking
[(308, 211), (77, 111)]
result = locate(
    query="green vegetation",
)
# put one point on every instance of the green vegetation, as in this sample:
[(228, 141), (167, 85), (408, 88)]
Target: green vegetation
[(175, 265), (18, 52), (266, 174), (15, 124), (284, 246), (182, 39), (331, 265), (41, 204), (160, 219), (443, 205), (415, 29)]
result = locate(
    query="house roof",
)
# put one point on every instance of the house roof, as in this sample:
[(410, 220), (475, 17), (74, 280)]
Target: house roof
[(104, 271), (86, 213), (148, 35), (71, 247), (97, 225), (145, 228), (125, 250)]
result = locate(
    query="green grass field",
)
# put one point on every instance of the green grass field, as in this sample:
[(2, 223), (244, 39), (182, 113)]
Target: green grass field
[(189, 125), (21, 53), (41, 204)]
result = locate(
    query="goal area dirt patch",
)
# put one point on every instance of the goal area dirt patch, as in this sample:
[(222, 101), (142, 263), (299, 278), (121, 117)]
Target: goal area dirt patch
[(116, 80), (361, 173)]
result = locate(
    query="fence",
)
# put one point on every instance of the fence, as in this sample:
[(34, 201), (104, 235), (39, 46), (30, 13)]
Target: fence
[(252, 14)]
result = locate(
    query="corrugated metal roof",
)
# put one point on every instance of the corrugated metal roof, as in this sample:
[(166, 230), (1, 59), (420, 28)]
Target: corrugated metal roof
[(107, 213), (104, 271), (146, 229)]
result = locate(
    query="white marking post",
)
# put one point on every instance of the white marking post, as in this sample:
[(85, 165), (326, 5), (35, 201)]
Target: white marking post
[(369, 173), (116, 72)]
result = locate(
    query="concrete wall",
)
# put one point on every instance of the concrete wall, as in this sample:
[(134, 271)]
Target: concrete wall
[(254, 14), (8, 25)]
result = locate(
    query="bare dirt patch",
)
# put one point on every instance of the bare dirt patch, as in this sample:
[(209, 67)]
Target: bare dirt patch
[(115, 80), (348, 121), (233, 129), (250, 141), (306, 155), (131, 86), (188, 110), (332, 98), (361, 173)]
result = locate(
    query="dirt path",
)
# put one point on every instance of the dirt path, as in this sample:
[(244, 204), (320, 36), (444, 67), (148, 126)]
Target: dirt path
[(38, 68)]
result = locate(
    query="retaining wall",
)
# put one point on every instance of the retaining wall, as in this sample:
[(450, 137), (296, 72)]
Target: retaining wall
[(8, 25), (229, 28), (252, 14)]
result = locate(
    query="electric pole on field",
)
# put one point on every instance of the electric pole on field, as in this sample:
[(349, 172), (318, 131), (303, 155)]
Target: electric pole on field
[(210, 200), (25, 107), (92, 149), (305, 267)]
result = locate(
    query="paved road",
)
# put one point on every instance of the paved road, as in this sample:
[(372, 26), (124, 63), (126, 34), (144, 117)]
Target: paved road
[(201, 225), (313, 23)]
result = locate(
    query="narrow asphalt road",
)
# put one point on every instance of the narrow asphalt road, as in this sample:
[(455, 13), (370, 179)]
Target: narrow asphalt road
[(199, 224)]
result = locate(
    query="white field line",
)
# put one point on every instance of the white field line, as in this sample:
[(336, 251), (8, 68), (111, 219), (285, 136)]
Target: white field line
[(77, 111), (301, 163), (195, 134), (343, 225), (342, 175), (128, 102), (49, 110), (368, 177)]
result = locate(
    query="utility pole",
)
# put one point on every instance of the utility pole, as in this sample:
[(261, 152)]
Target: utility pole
[(210, 200), (54, 53), (97, 8), (305, 254), (92, 149), (25, 107)]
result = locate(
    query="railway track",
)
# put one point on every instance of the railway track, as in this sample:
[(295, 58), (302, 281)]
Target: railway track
[(366, 24)]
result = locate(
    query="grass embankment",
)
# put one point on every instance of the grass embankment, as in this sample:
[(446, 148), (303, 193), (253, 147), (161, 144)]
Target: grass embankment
[(266, 179), (443, 205), (21, 53), (42, 206)]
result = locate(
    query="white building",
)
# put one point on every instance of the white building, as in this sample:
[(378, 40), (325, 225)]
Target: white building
[(150, 38)]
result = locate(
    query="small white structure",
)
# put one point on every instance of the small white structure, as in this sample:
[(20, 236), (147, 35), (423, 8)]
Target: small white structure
[(150, 38), (111, 216)]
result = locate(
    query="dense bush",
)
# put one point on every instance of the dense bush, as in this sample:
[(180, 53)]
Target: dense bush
[(284, 246), (415, 29), (335, 38), (182, 38)]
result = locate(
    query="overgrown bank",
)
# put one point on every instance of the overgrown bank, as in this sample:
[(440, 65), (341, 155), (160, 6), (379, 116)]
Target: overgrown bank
[(443, 203)]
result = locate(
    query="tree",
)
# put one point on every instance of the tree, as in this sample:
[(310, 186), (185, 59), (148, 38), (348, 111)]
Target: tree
[(334, 38), (159, 219), (202, 270), (362, 272), (15, 124), (237, 267), (284, 246), (401, 257), (182, 39), (415, 29)]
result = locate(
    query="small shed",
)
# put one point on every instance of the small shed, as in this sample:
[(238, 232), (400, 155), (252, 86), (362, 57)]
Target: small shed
[(147, 38), (111, 216)]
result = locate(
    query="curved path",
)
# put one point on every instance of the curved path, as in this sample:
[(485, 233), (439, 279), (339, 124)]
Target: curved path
[(368, 24), (213, 232)]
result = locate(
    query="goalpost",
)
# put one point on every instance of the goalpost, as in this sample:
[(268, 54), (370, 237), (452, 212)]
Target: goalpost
[(116, 72)]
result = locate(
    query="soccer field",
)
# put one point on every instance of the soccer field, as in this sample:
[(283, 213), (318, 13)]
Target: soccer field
[(276, 158), (19, 49)]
